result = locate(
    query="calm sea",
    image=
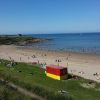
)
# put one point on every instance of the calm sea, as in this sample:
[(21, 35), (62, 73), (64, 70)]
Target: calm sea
[(84, 42)]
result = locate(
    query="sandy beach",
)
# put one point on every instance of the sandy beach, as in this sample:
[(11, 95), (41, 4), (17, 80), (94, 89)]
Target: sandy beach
[(84, 65)]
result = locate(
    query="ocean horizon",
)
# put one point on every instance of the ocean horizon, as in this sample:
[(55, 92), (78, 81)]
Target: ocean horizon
[(74, 42)]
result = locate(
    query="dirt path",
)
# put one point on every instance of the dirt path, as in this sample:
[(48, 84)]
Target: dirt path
[(22, 90)]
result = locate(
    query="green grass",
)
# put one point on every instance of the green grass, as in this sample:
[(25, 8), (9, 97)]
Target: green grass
[(34, 79)]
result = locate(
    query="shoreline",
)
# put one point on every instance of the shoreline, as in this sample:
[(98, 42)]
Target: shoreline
[(59, 50), (84, 65)]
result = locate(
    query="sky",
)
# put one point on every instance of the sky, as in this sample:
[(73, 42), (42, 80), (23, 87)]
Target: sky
[(49, 16)]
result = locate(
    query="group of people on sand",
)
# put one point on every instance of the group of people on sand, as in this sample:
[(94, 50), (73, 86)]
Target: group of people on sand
[(97, 76)]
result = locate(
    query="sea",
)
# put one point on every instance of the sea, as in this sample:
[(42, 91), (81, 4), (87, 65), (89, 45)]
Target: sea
[(72, 42)]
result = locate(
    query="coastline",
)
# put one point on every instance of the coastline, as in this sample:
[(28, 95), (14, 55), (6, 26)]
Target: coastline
[(84, 65)]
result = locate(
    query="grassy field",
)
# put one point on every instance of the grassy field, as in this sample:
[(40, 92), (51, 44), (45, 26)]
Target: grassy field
[(34, 79)]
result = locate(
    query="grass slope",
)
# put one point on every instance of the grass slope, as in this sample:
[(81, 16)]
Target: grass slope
[(34, 79), (7, 93)]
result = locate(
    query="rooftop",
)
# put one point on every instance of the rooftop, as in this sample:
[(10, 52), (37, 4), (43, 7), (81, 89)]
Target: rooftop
[(55, 66)]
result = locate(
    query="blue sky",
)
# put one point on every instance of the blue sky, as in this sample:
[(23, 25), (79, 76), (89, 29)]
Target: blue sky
[(49, 16)]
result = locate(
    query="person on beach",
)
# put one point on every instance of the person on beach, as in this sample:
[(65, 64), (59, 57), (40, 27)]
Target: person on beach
[(20, 59), (10, 58), (67, 58), (38, 61), (28, 57), (33, 56)]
